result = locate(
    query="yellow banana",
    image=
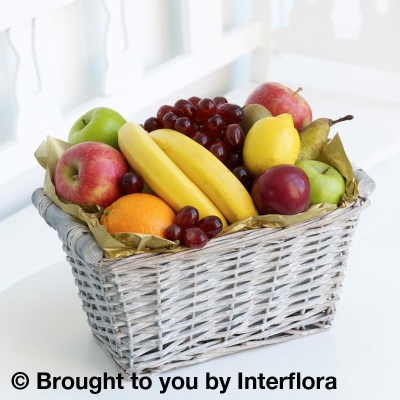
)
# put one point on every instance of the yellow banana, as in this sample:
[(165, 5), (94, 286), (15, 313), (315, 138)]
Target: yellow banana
[(160, 172), (213, 178)]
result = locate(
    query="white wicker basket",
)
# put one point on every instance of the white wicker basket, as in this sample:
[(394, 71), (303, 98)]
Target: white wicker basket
[(153, 312)]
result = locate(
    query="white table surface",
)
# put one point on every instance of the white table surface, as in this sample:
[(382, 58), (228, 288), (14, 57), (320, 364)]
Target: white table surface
[(43, 328)]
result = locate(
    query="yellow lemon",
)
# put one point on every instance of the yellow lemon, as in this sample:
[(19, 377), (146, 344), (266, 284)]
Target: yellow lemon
[(271, 141), (286, 118)]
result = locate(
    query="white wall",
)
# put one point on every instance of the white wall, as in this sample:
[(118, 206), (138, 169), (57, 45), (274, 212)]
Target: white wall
[(68, 61), (354, 48)]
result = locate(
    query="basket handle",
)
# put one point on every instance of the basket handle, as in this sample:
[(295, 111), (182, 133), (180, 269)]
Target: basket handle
[(366, 185), (75, 235)]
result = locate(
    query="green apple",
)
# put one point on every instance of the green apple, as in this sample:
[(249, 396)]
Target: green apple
[(100, 124), (327, 184)]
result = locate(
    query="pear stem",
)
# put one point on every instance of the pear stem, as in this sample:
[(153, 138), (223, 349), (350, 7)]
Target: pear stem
[(346, 118), (325, 170), (297, 91)]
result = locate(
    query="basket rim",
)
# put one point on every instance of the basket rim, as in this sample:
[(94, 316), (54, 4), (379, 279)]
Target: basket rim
[(108, 264), (83, 243)]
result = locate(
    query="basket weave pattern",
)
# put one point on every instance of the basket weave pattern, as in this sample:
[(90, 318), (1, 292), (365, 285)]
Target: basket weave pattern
[(153, 312)]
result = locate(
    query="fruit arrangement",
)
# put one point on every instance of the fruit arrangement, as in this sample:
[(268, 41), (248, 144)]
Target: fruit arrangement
[(199, 166)]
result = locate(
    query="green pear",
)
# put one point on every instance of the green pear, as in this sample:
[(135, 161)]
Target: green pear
[(314, 137)]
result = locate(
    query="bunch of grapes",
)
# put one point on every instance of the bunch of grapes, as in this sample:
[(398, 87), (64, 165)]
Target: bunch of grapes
[(213, 123), (193, 232)]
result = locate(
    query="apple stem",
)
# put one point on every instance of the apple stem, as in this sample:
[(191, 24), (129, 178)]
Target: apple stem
[(75, 177), (84, 122), (325, 170), (346, 118), (297, 91)]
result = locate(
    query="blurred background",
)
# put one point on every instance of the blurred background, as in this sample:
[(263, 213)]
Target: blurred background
[(59, 58)]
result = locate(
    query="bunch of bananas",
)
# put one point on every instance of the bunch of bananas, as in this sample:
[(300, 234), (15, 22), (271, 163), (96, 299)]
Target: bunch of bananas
[(182, 172)]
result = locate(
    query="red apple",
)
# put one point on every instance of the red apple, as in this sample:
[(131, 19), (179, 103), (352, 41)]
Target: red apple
[(283, 189), (90, 173), (279, 99)]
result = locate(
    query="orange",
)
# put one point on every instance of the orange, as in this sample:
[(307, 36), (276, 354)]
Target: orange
[(138, 213)]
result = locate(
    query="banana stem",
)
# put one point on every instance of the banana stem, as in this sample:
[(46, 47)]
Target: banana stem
[(346, 118)]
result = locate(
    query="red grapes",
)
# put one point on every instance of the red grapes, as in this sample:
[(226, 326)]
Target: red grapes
[(152, 123), (191, 231), (132, 183), (162, 111), (187, 217), (194, 238), (184, 108), (169, 120), (231, 113), (174, 232), (211, 225), (211, 122), (206, 108)]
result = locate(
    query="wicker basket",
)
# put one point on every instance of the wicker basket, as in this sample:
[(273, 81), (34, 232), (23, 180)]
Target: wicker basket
[(153, 312)]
